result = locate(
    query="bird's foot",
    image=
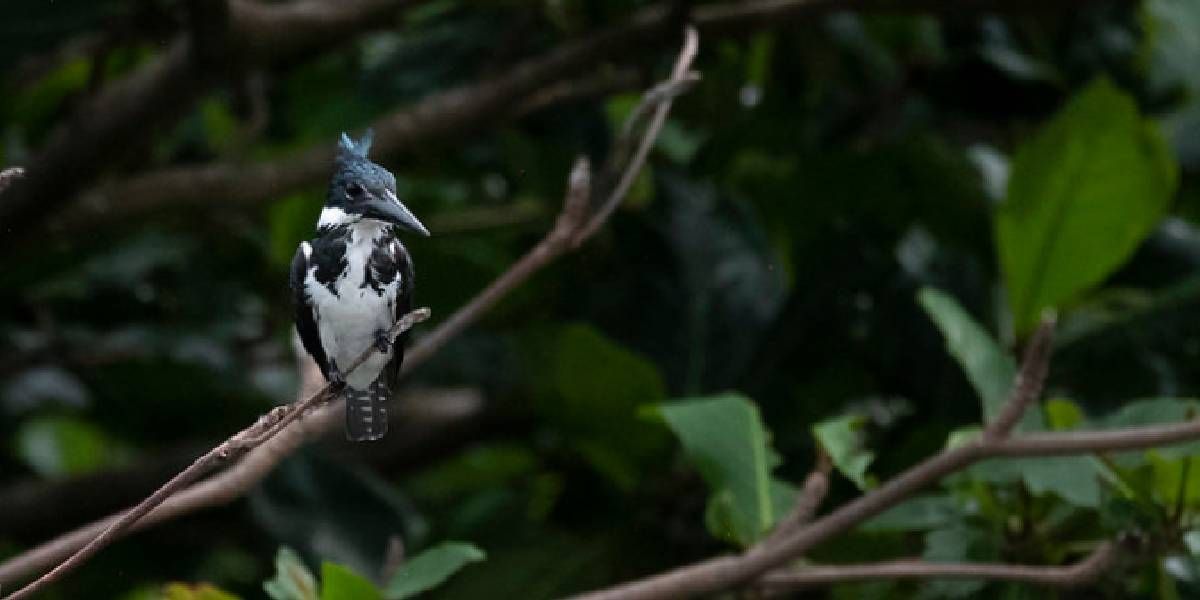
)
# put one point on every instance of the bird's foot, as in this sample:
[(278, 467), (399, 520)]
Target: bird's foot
[(382, 341)]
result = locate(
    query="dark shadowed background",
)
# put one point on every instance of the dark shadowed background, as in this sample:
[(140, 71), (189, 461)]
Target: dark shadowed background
[(849, 182)]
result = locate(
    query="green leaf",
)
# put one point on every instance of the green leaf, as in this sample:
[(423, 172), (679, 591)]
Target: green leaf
[(430, 568), (1063, 414), (916, 514), (841, 438), (958, 543), (62, 446), (988, 367), (724, 437), (598, 387), (197, 591), (1157, 411), (340, 583), (1084, 192), (292, 580)]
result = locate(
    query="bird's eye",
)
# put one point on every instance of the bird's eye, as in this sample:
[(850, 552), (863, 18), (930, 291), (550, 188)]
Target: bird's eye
[(355, 190)]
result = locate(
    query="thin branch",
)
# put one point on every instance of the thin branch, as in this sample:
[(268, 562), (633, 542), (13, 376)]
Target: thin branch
[(1030, 379), (240, 443), (816, 486), (661, 96), (1083, 572), (276, 440)]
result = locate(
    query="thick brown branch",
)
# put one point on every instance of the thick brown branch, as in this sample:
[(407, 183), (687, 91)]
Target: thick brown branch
[(1083, 572), (816, 486)]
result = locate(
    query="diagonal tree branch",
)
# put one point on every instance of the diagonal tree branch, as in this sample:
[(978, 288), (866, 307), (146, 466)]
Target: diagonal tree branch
[(273, 439)]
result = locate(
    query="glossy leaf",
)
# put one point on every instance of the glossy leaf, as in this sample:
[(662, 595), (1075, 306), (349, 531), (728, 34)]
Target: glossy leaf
[(1084, 192), (725, 439)]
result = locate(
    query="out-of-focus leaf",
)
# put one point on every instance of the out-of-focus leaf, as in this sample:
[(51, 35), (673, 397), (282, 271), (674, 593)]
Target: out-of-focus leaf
[(598, 387), (988, 367), (724, 437), (957, 543), (291, 221), (195, 591), (1073, 478), (292, 580), (917, 514), (42, 386), (1063, 414), (333, 511), (62, 446), (1175, 476), (430, 568), (841, 438), (1084, 192), (1172, 44), (340, 583), (1158, 411)]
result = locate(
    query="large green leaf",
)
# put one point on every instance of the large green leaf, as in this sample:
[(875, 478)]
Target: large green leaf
[(726, 440), (430, 568), (841, 439), (340, 583), (1084, 192)]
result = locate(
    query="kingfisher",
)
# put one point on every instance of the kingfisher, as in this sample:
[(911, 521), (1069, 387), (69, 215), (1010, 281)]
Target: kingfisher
[(353, 281)]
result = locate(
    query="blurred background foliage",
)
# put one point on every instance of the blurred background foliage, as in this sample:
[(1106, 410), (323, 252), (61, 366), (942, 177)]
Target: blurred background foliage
[(845, 231)]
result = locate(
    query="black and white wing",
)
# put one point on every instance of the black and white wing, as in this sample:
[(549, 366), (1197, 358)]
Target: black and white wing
[(404, 303), (306, 323)]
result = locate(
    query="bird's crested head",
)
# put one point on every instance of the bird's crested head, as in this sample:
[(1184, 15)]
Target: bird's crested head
[(361, 189)]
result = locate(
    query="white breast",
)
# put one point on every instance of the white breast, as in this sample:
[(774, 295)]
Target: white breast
[(347, 321)]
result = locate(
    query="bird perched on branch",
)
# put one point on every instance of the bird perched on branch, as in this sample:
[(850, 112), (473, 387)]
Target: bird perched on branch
[(353, 281)]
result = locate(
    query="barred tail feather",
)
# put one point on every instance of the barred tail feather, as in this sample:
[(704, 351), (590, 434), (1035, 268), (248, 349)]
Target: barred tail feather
[(366, 412)]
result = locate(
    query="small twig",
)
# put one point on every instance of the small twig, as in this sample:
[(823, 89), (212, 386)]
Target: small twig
[(1080, 573), (1030, 379), (262, 430), (661, 96), (816, 486)]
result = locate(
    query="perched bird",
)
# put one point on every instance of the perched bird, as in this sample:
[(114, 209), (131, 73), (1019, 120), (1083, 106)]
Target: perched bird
[(353, 281)]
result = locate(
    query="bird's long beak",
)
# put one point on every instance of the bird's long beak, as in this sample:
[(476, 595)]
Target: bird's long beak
[(389, 208)]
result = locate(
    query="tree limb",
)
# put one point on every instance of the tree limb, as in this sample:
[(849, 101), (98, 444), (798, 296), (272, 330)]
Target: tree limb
[(1081, 573), (274, 439)]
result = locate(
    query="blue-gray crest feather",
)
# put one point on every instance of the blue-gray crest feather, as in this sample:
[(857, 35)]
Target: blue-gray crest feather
[(349, 149)]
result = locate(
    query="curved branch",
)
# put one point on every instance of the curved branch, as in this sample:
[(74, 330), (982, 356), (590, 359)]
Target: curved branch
[(1080, 573)]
